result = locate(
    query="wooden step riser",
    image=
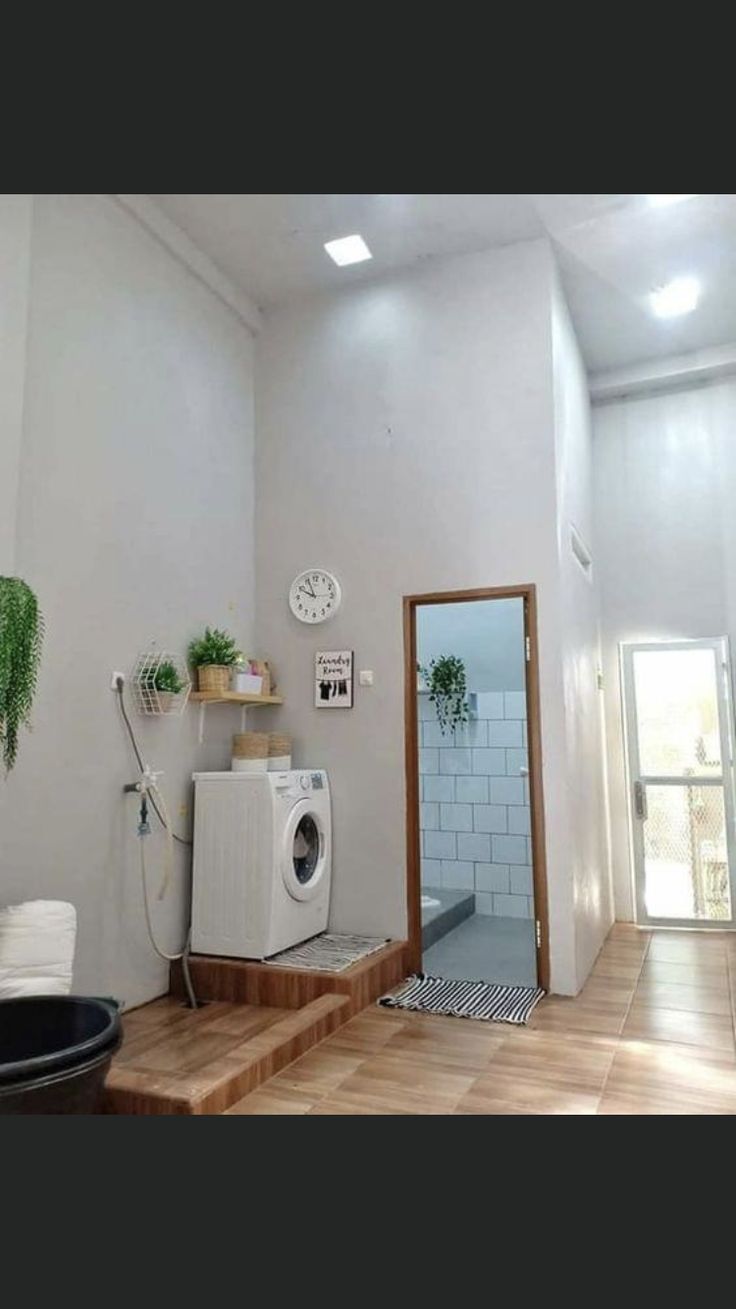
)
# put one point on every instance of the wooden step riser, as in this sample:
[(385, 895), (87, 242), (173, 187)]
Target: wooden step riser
[(130, 1092), (243, 981)]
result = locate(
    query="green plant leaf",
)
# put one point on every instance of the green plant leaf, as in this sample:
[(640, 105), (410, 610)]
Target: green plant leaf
[(21, 637), (445, 678), (215, 647)]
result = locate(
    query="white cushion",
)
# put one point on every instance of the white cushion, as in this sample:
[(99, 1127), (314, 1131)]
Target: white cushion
[(37, 942)]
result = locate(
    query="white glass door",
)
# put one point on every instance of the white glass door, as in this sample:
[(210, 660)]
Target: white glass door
[(679, 741)]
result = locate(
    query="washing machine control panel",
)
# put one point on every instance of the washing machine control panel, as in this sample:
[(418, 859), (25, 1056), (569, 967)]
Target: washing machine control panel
[(289, 786)]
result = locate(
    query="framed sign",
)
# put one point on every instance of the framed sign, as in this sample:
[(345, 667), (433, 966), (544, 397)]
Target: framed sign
[(333, 679)]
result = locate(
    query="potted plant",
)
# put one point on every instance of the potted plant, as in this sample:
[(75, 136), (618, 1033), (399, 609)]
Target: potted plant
[(21, 635), (167, 683), (213, 655), (445, 680)]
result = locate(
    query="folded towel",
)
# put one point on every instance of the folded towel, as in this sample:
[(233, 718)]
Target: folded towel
[(37, 942)]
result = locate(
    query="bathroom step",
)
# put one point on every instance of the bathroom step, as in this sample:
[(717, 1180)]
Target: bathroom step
[(453, 907), (247, 981), (176, 1060)]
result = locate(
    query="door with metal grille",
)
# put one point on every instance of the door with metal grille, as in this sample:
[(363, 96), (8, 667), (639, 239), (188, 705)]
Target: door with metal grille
[(679, 743)]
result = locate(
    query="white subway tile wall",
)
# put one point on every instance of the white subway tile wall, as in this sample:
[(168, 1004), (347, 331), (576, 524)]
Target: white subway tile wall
[(474, 794)]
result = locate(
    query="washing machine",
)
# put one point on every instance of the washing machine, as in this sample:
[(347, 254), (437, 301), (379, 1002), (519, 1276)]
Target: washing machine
[(262, 861)]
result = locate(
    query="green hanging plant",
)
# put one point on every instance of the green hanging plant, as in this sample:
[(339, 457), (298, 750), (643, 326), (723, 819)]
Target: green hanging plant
[(21, 636), (445, 680)]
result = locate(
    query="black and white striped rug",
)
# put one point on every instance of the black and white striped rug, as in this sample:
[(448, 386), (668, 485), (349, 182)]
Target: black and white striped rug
[(438, 995), (330, 952)]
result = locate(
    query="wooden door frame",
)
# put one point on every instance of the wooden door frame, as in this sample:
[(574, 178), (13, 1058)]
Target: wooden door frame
[(528, 593)]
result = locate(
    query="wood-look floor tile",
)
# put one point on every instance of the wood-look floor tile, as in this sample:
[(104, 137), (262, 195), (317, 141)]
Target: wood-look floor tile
[(626, 931), (711, 975), (647, 1023), (612, 970), (676, 995), (369, 1030), (390, 1085), (543, 1072), (560, 1014), (661, 1078), (607, 990), (246, 1020), (272, 1100), (184, 1052), (319, 1071), (460, 1044), (623, 958), (364, 1105), (681, 950)]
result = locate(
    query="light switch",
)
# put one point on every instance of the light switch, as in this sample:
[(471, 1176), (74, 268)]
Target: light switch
[(365, 677)]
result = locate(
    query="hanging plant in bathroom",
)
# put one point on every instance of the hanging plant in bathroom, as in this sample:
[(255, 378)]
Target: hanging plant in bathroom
[(21, 635), (445, 679)]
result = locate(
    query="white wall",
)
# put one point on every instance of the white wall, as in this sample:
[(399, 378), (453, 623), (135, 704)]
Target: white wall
[(586, 836), (134, 522), (665, 475), (487, 635), (405, 438), (15, 233)]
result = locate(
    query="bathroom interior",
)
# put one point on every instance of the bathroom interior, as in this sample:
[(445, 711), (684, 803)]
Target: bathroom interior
[(478, 918), (235, 437)]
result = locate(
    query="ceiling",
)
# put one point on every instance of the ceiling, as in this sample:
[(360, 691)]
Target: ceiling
[(611, 249)]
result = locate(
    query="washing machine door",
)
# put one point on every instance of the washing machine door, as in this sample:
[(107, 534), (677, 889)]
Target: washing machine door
[(304, 855)]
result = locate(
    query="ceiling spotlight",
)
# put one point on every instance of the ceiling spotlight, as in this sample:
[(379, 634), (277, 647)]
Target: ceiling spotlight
[(659, 201), (677, 297), (348, 250)]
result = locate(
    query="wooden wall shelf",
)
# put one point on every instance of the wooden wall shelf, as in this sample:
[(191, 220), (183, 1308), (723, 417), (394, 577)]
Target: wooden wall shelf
[(242, 698), (234, 697)]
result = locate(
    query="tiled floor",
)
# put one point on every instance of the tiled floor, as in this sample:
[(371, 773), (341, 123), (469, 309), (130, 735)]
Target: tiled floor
[(651, 1033), (488, 949), (443, 910)]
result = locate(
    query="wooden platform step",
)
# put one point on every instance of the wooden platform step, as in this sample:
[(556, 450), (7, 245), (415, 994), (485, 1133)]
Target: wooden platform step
[(245, 982), (178, 1061)]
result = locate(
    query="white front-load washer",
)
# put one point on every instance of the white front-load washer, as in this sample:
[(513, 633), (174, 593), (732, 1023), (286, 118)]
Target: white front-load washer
[(262, 861)]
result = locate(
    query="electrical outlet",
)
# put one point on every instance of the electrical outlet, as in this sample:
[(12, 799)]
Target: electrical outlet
[(114, 680)]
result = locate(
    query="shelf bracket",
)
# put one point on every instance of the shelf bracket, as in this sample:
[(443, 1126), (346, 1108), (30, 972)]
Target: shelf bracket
[(200, 733)]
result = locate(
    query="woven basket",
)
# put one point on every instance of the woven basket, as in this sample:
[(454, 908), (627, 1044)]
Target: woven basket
[(278, 744), (214, 678), (250, 745)]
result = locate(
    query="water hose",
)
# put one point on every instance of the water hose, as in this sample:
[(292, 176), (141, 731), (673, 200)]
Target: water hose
[(159, 807)]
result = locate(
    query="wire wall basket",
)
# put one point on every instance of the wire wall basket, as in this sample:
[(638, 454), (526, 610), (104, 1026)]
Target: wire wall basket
[(161, 683)]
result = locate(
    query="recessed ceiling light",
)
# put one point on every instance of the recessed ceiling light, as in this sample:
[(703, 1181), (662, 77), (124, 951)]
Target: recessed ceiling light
[(678, 297), (348, 250), (659, 201)]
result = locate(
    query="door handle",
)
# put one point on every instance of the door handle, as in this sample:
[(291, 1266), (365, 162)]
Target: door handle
[(523, 772), (640, 801)]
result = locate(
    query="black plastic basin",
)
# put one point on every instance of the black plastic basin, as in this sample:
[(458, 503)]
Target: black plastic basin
[(55, 1051)]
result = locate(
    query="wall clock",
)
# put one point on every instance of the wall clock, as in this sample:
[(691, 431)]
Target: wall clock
[(314, 595)]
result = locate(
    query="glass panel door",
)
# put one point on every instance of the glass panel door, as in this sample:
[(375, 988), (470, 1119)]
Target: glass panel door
[(680, 766)]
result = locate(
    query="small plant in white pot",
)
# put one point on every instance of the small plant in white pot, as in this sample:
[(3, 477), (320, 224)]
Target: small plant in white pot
[(167, 683), (213, 655)]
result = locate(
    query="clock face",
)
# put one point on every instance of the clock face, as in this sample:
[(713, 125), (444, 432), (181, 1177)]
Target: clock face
[(314, 596)]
